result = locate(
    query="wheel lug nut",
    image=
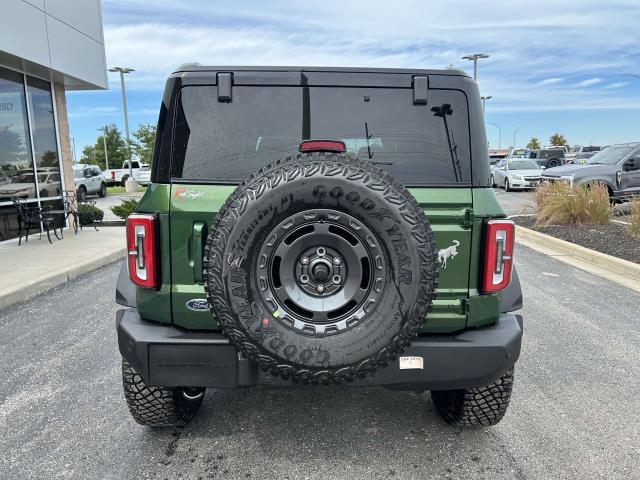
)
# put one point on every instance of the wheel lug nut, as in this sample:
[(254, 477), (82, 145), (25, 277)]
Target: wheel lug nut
[(304, 260), (304, 279), (337, 261), (320, 288)]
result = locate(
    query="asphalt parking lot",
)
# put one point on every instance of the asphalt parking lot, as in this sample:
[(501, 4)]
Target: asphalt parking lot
[(575, 411), (517, 202)]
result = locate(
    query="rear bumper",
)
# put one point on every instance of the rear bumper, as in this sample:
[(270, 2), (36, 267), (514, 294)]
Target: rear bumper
[(173, 357)]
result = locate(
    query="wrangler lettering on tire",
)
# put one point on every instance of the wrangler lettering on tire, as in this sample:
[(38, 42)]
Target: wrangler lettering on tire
[(333, 268)]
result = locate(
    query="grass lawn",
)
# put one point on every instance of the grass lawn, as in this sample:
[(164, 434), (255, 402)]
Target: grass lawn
[(122, 189)]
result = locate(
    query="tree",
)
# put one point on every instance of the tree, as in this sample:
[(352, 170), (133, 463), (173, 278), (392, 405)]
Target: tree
[(534, 143), (558, 140), (144, 140), (116, 149), (12, 148)]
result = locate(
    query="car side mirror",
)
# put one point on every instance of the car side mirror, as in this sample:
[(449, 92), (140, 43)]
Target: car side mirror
[(632, 164)]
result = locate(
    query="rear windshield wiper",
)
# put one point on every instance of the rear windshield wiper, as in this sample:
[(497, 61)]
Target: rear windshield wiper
[(443, 111), (367, 138)]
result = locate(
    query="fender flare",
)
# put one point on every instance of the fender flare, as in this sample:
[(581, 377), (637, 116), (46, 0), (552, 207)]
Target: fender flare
[(125, 288), (511, 298)]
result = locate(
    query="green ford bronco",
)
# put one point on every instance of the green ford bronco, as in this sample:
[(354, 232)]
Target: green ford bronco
[(319, 226)]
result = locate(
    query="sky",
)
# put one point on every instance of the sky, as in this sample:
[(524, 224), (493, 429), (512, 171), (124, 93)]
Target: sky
[(554, 66)]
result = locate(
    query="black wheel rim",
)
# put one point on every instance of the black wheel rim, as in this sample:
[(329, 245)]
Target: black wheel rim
[(320, 272)]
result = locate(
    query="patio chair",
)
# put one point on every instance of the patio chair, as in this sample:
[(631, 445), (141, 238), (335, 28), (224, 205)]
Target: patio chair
[(32, 217), (72, 207)]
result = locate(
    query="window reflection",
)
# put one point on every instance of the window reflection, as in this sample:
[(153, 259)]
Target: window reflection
[(44, 137), (15, 151)]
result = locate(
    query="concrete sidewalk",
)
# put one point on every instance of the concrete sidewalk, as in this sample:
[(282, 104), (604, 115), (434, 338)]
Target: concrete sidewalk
[(35, 266)]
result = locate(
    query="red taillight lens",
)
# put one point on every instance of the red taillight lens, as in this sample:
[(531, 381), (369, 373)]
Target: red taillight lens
[(141, 250), (113, 175), (498, 255), (322, 146)]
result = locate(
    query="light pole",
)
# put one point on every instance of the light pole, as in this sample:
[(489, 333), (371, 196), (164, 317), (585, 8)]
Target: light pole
[(475, 57), (499, 127), (131, 184), (73, 151), (514, 136), (104, 140), (484, 99)]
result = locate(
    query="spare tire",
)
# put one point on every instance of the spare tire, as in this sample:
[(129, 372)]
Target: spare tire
[(321, 268)]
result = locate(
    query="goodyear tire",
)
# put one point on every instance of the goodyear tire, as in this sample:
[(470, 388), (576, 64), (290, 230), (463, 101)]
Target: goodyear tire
[(321, 268), (475, 407), (158, 406)]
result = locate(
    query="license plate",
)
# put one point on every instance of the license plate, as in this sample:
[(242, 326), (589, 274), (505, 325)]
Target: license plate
[(411, 363)]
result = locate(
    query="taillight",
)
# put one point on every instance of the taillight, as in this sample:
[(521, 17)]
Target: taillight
[(322, 146), (113, 175), (498, 255), (141, 250)]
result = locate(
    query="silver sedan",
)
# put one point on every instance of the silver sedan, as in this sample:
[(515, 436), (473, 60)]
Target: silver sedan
[(515, 174)]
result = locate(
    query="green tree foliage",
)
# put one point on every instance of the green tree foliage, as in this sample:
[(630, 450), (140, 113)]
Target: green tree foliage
[(558, 140), (143, 141), (12, 148), (534, 143), (116, 149)]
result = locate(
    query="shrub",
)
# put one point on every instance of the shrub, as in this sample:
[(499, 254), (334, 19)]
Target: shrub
[(126, 208), (634, 219), (563, 204), (98, 214)]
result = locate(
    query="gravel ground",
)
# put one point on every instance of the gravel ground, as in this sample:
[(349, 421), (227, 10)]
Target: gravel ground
[(574, 414), (610, 238)]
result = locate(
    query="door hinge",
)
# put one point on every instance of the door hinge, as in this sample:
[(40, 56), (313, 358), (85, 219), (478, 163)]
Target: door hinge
[(469, 217)]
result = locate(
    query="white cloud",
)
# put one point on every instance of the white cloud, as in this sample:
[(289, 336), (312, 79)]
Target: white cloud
[(551, 81), (589, 82), (615, 85), (413, 34)]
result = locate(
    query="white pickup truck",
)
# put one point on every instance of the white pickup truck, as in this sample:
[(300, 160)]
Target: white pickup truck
[(118, 176)]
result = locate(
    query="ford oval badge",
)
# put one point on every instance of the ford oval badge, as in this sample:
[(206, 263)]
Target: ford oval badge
[(198, 304)]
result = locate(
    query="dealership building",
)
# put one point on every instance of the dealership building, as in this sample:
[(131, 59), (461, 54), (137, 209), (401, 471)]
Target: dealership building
[(47, 47)]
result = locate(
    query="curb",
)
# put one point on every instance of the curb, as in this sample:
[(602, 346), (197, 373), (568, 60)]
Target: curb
[(55, 279), (612, 268)]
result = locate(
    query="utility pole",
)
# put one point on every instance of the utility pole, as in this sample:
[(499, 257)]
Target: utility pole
[(131, 183), (484, 99), (499, 127), (475, 57), (104, 140)]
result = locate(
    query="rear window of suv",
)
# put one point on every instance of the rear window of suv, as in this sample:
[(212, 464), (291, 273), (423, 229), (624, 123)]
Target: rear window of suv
[(217, 142)]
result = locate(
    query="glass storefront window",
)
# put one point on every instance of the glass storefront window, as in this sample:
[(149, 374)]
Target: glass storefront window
[(30, 168), (44, 137), (15, 148)]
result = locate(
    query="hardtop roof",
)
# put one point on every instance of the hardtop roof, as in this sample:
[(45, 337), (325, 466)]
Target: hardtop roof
[(194, 67)]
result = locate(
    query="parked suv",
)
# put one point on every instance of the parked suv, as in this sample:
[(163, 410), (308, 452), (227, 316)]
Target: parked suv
[(616, 166), (89, 180), (547, 158), (319, 226)]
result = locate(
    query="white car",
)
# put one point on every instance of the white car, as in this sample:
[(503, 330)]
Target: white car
[(22, 186), (89, 180), (516, 173)]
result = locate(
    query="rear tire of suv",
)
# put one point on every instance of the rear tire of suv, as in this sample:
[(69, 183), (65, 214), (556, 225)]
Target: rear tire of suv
[(82, 194), (158, 406), (475, 407), (103, 191), (553, 163)]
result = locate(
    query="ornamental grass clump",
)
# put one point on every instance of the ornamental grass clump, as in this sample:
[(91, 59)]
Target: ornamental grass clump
[(562, 204), (634, 219)]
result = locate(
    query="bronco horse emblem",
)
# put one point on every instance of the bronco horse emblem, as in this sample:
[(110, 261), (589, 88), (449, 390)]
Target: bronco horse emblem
[(447, 253)]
